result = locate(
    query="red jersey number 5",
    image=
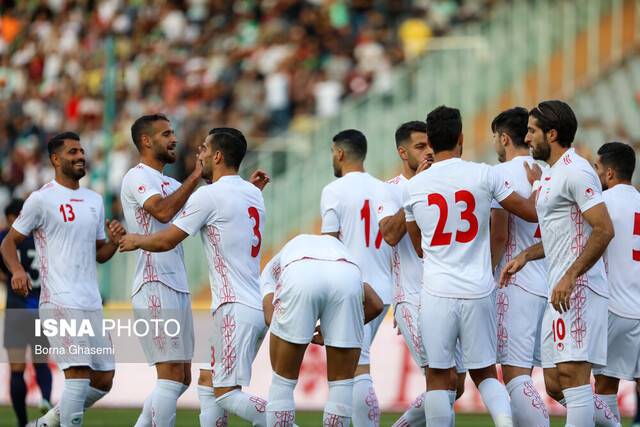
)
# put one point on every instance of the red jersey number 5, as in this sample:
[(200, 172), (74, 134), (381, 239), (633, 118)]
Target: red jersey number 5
[(253, 213)]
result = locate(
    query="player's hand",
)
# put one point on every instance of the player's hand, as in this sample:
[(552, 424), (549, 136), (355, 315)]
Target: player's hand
[(317, 337), (534, 172), (197, 168), (128, 242), (561, 295), (425, 164), (115, 230), (21, 283), (511, 268), (260, 179)]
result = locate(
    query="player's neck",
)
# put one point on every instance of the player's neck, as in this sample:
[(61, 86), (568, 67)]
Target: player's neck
[(352, 168), (445, 155), (152, 162), (612, 183), (217, 174), (516, 152), (67, 182), (556, 152), (407, 172)]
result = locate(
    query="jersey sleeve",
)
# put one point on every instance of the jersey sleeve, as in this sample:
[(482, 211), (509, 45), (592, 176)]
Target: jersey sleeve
[(584, 188), (100, 233), (407, 203), (499, 185), (270, 276), (140, 187), (387, 203), (30, 217), (329, 204), (195, 213)]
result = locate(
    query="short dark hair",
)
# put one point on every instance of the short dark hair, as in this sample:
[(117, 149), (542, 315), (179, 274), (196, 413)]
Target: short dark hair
[(354, 141), (557, 115), (444, 126), (403, 133), (143, 126), (14, 207), (232, 143), (57, 141), (620, 157), (513, 122)]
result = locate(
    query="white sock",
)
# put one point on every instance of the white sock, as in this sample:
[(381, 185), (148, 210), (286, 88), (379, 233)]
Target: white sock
[(211, 414), (93, 395), (437, 408), (452, 401), (163, 402), (337, 411), (527, 406), (281, 409), (606, 408), (580, 407), (246, 406), (366, 411), (144, 419), (74, 394), (414, 416), (496, 399)]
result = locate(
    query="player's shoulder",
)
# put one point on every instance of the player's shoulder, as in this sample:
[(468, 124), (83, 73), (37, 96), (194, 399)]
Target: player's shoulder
[(91, 195)]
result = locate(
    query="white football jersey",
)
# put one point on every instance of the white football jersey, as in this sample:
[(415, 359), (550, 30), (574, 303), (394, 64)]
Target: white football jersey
[(622, 257), (138, 185), (230, 217), (406, 266), (451, 203), (348, 206), (303, 246), (66, 224), (521, 234), (567, 189)]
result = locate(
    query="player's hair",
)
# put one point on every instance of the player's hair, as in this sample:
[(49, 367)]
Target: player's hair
[(620, 157), (143, 125), (556, 115), (353, 142), (57, 141), (513, 122), (14, 207), (232, 143), (444, 126), (403, 133)]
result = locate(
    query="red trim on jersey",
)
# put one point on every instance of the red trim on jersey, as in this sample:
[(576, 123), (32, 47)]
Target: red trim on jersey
[(41, 244), (399, 295), (227, 292), (502, 306)]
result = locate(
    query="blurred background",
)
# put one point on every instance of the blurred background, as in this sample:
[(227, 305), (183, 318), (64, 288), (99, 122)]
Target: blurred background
[(290, 74)]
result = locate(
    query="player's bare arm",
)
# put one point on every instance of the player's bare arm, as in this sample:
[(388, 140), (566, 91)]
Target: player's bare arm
[(260, 179), (416, 236), (393, 228), (499, 235), (524, 208), (161, 241), (532, 253), (165, 208), (267, 308), (601, 234), (20, 281), (106, 250), (373, 304)]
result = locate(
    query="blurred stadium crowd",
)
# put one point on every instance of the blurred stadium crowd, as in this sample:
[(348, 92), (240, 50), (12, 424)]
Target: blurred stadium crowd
[(266, 67)]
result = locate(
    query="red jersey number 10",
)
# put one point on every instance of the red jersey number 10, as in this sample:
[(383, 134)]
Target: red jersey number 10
[(365, 215)]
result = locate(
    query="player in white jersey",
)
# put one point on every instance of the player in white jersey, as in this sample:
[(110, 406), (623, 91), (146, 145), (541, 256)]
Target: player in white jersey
[(229, 214), (447, 209), (150, 200), (520, 305), (615, 165), (416, 156), (576, 229), (348, 212), (314, 278), (68, 225)]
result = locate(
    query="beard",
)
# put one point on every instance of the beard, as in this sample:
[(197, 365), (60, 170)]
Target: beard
[(337, 172), (541, 151), (166, 157), (69, 170)]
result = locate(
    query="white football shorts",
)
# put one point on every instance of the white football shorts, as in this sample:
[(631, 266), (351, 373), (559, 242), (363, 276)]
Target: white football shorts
[(623, 352)]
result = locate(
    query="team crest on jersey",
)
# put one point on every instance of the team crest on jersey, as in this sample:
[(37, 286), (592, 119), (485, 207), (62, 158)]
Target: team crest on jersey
[(141, 189), (380, 209), (560, 347), (589, 193)]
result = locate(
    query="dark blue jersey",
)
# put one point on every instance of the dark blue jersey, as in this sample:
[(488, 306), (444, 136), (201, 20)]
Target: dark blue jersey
[(29, 259)]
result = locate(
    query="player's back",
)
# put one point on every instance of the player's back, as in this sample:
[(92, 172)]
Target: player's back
[(347, 207), (622, 257), (318, 247), (451, 203)]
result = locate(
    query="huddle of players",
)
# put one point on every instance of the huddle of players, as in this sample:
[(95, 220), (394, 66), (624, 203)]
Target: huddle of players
[(452, 321)]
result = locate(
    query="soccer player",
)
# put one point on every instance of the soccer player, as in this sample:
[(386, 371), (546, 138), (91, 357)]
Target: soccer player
[(614, 166), (416, 156), (20, 316), (150, 200), (576, 229), (68, 225), (348, 212), (520, 305), (315, 278), (229, 214), (447, 210)]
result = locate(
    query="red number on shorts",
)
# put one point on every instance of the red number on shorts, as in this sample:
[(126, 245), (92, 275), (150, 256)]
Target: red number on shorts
[(559, 330), (365, 214), (442, 238), (253, 213), (636, 232), (67, 213)]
